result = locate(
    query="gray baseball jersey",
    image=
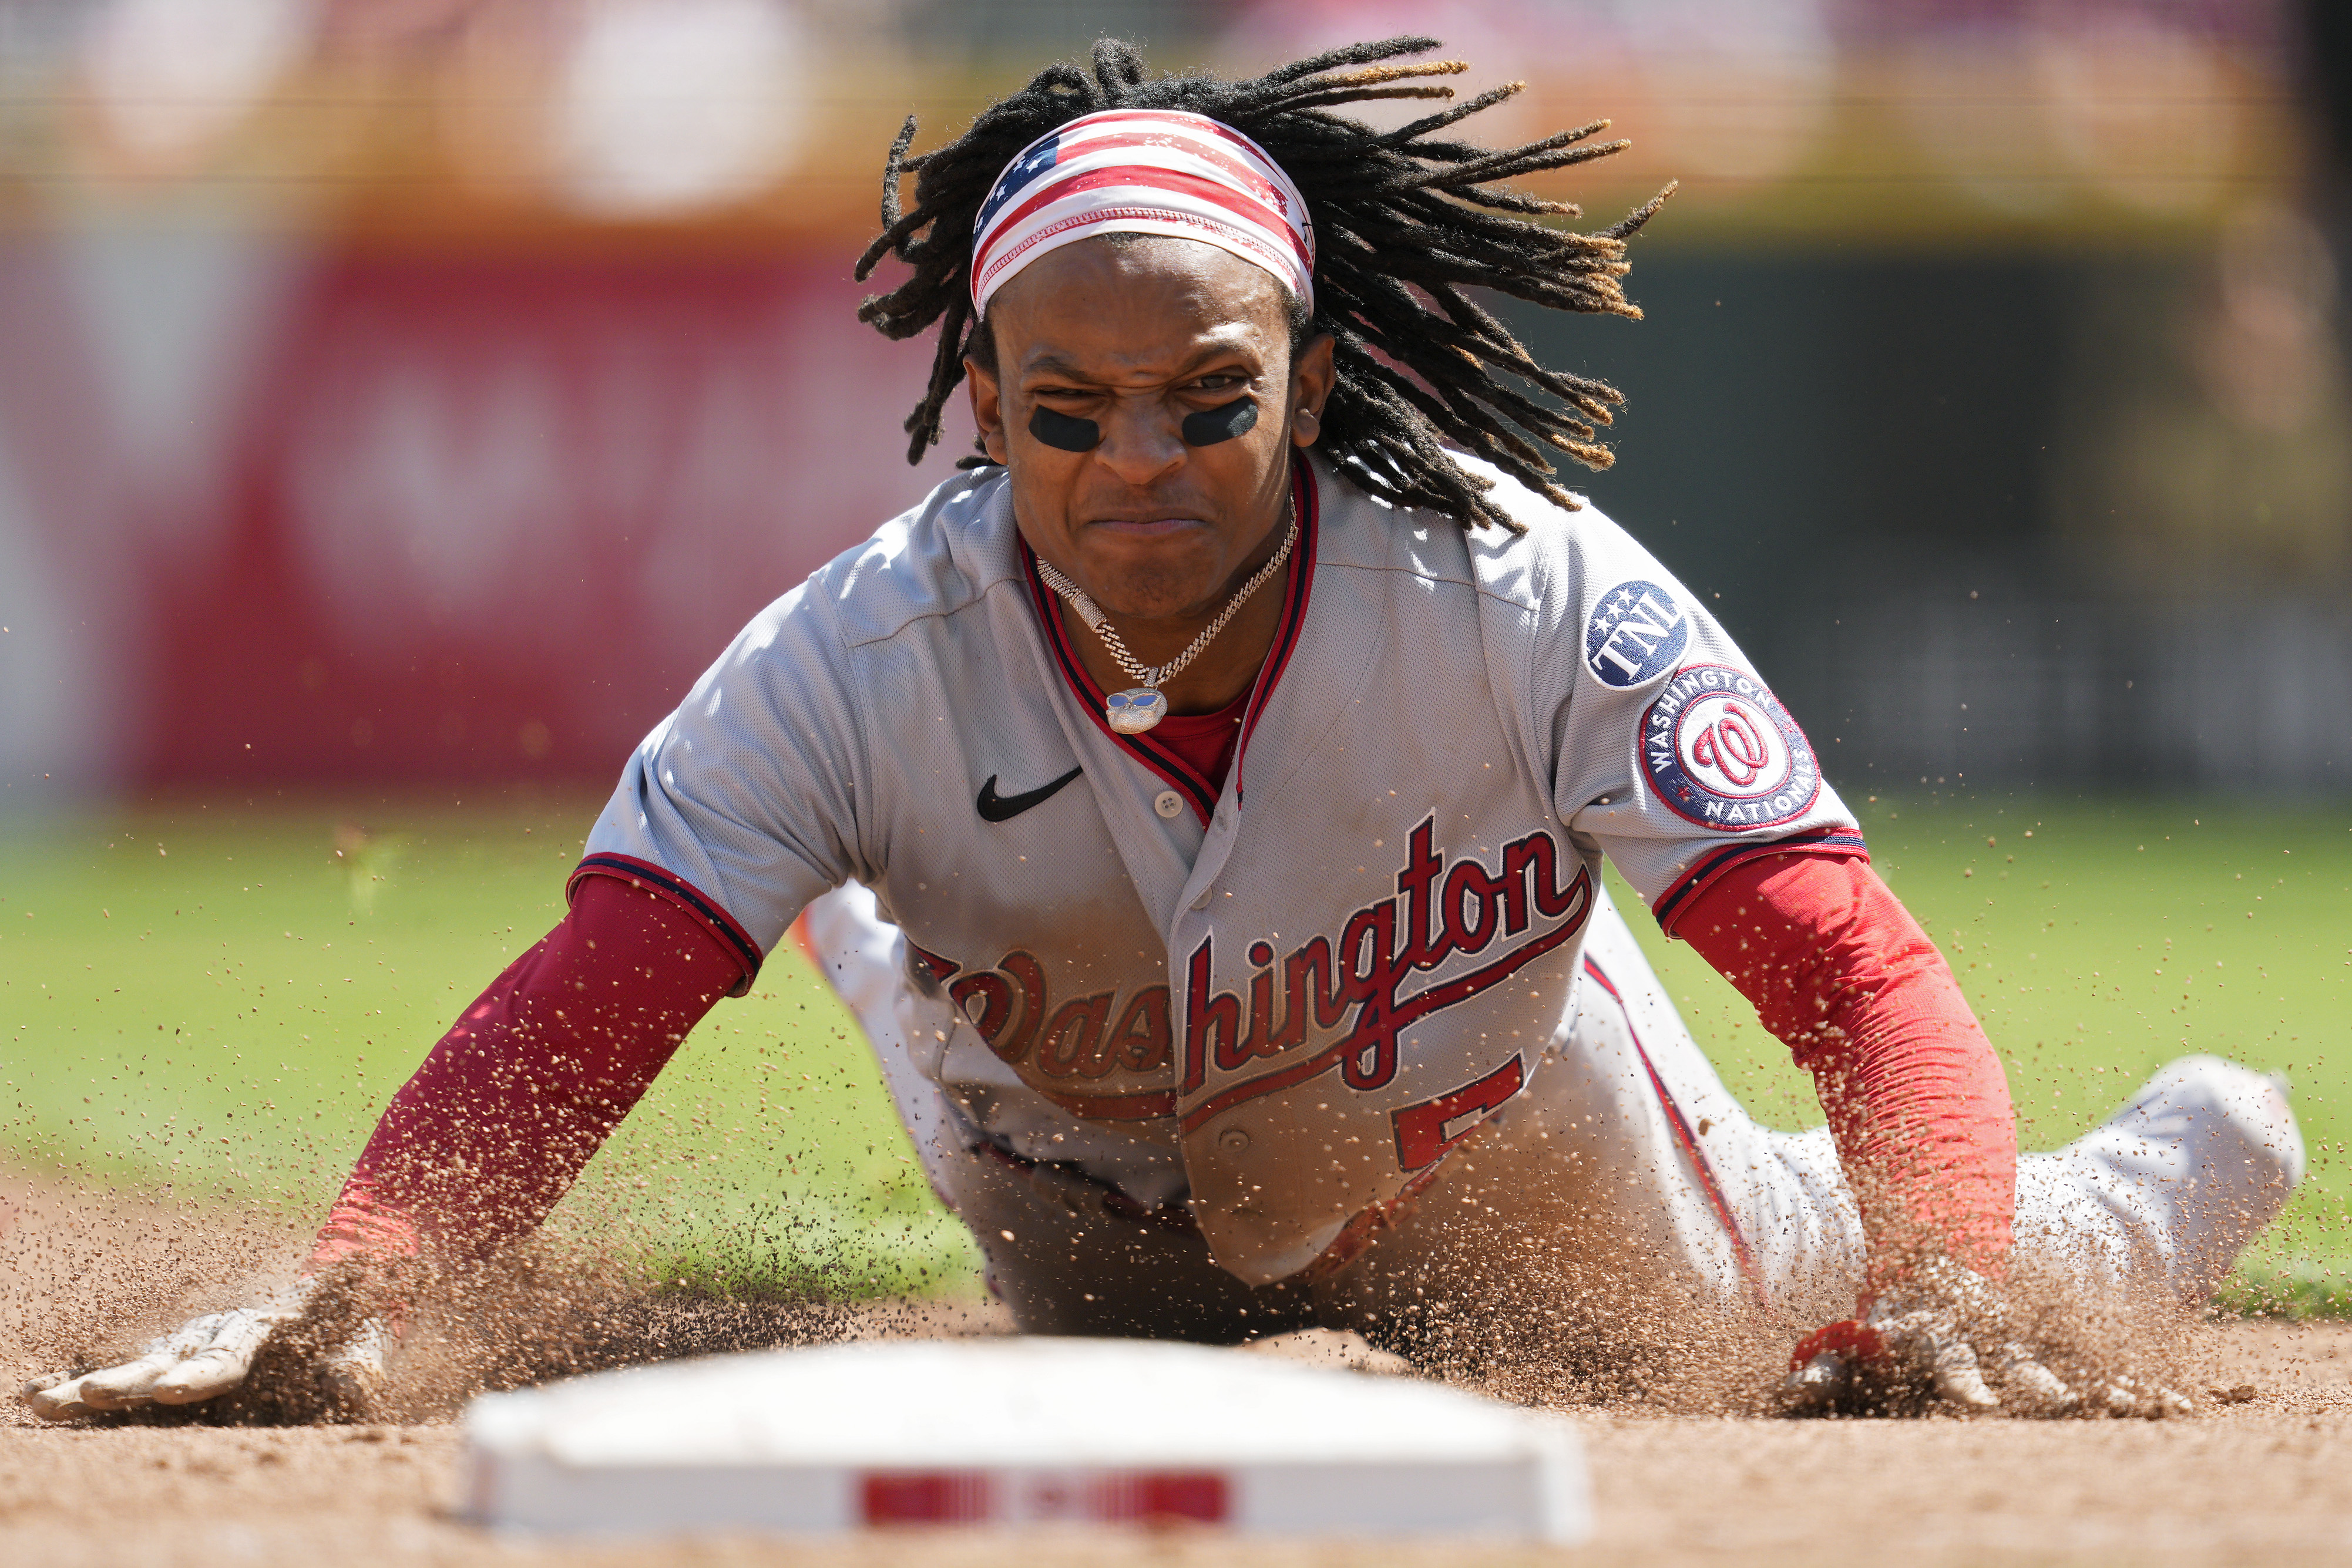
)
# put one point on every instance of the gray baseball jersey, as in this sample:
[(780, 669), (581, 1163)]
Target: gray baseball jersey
[(1288, 994)]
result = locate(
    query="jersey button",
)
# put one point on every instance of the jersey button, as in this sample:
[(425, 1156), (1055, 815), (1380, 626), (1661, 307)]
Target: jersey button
[(1233, 1140), (1168, 804)]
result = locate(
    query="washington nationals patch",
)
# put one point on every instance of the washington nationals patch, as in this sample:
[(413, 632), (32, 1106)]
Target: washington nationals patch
[(1636, 633), (1721, 751)]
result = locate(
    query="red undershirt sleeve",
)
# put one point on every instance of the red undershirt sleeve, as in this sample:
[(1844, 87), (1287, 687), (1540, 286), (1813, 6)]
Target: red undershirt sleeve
[(1839, 971), (494, 1127)]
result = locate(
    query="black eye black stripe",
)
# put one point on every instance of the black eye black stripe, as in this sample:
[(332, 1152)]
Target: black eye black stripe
[(1205, 428), (1059, 430), (1212, 425)]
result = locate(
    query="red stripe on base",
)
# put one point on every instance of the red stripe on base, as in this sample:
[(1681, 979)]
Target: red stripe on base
[(1039, 1497), (1143, 1496), (924, 1497)]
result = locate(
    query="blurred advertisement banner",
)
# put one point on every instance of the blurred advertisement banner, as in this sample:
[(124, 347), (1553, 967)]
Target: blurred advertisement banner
[(469, 517)]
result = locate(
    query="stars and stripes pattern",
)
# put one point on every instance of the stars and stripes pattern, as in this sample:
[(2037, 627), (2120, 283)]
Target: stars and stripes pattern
[(1128, 171)]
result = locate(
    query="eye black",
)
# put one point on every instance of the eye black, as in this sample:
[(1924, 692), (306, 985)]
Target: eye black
[(1069, 435), (1212, 425)]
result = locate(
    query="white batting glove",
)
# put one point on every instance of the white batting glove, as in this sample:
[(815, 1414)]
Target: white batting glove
[(209, 1356), (1947, 1333)]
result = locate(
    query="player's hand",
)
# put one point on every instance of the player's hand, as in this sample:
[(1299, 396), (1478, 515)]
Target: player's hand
[(212, 1355), (1946, 1334)]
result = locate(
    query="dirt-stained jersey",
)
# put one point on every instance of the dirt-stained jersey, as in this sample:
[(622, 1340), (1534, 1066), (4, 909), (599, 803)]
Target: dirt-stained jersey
[(1290, 995)]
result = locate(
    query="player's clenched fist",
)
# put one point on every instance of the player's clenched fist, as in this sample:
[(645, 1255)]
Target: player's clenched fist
[(211, 1356), (1947, 1333)]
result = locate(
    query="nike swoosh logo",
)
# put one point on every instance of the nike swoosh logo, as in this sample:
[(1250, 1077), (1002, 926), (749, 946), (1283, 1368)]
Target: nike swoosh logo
[(996, 807)]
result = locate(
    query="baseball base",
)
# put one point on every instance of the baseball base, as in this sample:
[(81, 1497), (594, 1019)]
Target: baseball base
[(1018, 1432)]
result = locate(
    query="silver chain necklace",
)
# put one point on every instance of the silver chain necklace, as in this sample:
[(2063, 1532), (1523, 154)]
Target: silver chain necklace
[(1134, 711)]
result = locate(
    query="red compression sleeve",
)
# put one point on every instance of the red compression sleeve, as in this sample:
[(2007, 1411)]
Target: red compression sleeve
[(493, 1128), (1916, 1099)]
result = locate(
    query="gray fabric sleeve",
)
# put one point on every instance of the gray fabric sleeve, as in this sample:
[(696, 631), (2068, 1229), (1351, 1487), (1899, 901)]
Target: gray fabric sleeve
[(751, 792), (1670, 752)]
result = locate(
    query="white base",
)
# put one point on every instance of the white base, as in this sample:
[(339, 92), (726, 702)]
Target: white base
[(1018, 1432)]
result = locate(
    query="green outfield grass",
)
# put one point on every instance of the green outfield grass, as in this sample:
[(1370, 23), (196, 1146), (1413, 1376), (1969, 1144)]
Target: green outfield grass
[(219, 998)]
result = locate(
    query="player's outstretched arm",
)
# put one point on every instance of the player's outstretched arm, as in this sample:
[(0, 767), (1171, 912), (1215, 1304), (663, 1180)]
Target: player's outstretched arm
[(1840, 972), (1920, 1110), (501, 1119), (471, 1153)]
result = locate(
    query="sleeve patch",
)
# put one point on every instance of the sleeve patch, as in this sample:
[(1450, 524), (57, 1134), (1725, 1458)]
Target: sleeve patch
[(1719, 750), (1636, 633)]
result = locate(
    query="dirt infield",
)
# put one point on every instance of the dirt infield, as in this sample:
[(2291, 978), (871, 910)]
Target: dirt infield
[(2262, 1473), (2265, 1481)]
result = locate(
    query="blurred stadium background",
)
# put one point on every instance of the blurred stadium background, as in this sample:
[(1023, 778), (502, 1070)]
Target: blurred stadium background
[(401, 400), (408, 391)]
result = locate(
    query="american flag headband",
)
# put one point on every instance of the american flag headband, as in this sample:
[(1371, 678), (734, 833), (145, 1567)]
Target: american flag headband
[(1152, 171)]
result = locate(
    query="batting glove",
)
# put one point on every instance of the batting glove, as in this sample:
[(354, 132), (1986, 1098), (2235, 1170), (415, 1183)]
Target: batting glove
[(1948, 1333), (211, 1356)]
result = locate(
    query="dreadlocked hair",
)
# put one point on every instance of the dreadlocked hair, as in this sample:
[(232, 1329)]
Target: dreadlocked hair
[(1406, 224)]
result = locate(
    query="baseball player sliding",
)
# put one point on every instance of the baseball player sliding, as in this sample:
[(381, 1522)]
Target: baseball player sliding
[(1216, 775)]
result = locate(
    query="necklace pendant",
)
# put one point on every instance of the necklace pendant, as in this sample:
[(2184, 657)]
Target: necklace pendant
[(1133, 711)]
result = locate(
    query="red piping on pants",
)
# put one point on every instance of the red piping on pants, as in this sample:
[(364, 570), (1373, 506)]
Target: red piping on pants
[(1690, 1145)]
